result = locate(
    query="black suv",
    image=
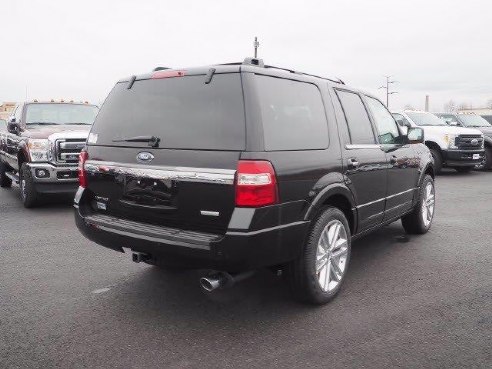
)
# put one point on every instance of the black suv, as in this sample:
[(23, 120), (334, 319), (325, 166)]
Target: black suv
[(241, 166)]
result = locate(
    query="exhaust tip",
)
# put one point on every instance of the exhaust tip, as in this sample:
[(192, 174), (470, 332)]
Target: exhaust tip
[(210, 283)]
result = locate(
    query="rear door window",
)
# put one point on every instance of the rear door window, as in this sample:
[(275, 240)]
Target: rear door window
[(184, 112), (359, 125), (293, 114)]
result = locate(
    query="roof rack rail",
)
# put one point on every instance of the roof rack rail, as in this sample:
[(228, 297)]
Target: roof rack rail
[(254, 61), (160, 68), (259, 63)]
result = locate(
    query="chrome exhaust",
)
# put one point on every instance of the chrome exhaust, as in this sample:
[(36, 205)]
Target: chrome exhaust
[(222, 280)]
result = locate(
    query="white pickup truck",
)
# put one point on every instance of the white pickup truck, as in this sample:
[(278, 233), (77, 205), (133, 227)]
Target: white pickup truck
[(453, 147)]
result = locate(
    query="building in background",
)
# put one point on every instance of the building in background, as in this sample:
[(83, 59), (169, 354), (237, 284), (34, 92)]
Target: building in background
[(6, 110)]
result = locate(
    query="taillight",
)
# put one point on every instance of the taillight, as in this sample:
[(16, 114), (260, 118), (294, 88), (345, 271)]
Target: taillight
[(256, 184), (83, 156)]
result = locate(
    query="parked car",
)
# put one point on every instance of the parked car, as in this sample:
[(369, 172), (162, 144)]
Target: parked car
[(40, 148), (242, 166), (488, 118), (453, 147), (472, 120)]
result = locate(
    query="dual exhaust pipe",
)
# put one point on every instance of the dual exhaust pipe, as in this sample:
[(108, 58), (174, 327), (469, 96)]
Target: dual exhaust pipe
[(220, 280)]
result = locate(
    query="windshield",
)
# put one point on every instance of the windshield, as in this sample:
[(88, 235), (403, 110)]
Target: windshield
[(60, 114), (472, 120), (182, 112), (425, 119)]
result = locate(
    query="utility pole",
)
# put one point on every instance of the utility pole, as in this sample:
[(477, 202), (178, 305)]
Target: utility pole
[(426, 102), (389, 81), (256, 45)]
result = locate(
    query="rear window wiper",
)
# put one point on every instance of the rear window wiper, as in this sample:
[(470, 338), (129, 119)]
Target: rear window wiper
[(153, 141)]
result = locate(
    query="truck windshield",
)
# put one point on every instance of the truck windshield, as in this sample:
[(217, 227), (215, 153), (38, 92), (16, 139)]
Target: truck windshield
[(472, 120), (425, 119), (182, 112), (60, 113)]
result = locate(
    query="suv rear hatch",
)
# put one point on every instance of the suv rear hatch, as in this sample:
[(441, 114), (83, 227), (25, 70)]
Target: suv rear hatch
[(164, 150)]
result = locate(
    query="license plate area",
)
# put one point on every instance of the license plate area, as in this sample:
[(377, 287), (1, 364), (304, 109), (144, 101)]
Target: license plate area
[(150, 192), (476, 156)]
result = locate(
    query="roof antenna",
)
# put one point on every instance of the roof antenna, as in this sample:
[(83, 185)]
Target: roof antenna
[(256, 45)]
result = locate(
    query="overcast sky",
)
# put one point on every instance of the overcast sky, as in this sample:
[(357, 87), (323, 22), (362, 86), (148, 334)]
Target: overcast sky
[(79, 49)]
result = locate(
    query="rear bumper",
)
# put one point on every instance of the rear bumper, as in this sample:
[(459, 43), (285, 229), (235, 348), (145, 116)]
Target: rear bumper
[(462, 158), (236, 250)]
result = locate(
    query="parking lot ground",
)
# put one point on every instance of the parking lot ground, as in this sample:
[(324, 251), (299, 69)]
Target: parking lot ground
[(425, 301)]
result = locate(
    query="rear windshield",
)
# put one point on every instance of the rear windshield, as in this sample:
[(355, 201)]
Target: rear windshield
[(184, 112)]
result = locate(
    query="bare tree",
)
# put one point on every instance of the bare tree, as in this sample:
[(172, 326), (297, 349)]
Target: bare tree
[(450, 106), (464, 106)]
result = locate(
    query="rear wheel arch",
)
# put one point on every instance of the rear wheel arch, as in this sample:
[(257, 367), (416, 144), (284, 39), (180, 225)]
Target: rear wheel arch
[(337, 196)]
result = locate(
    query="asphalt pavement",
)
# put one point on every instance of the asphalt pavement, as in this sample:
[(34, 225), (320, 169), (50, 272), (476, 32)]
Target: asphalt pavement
[(423, 301)]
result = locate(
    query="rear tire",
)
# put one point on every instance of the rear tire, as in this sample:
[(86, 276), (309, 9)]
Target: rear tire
[(318, 274), (29, 195), (464, 169), (414, 222), (5, 182), (436, 155)]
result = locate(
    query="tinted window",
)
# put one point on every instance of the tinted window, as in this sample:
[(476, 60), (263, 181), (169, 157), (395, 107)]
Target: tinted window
[(359, 125), (385, 124), (293, 114), (60, 113), (184, 112)]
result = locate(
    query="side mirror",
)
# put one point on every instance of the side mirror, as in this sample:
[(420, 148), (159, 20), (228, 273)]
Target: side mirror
[(415, 135)]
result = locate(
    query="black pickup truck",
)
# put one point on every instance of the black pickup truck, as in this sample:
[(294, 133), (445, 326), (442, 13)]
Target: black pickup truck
[(243, 166), (40, 145)]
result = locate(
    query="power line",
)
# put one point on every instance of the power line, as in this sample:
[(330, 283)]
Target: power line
[(389, 81)]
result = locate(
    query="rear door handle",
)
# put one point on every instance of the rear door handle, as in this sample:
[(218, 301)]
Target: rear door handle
[(353, 163)]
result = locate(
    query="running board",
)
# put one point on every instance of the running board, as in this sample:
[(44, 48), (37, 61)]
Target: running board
[(13, 177)]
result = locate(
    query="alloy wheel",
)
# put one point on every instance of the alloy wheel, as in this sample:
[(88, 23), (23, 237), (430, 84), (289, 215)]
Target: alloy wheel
[(428, 204), (331, 255)]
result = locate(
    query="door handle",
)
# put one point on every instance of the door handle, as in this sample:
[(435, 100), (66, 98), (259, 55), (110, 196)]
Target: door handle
[(353, 163), (393, 159)]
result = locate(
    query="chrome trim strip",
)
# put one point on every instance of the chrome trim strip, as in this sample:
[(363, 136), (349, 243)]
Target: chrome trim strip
[(386, 198), (401, 193), (185, 174), (265, 229), (370, 203), (365, 146), (209, 213)]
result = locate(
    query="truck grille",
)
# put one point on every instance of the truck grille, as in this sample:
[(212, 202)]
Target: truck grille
[(469, 142), (68, 150)]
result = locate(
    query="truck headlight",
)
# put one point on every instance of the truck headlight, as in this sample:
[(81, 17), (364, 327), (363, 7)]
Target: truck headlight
[(38, 149), (450, 141)]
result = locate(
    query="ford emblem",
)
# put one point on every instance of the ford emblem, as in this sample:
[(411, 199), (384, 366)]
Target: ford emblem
[(145, 157), (474, 142)]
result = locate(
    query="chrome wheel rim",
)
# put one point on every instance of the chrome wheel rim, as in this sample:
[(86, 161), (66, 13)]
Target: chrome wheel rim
[(23, 188), (428, 203), (331, 255)]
